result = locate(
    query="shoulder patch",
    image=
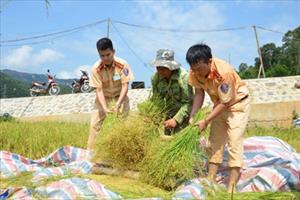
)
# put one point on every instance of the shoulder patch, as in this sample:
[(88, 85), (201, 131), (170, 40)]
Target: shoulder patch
[(125, 71), (224, 88)]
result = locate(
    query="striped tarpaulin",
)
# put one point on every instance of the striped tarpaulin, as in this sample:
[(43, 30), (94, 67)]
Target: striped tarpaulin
[(12, 164), (64, 161), (270, 165)]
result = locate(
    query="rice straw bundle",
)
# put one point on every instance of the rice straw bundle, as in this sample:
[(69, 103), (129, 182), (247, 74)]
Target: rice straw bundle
[(126, 145), (124, 142), (169, 165), (153, 110)]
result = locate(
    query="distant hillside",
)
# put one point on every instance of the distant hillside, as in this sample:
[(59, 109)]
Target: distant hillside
[(10, 87), (21, 81), (29, 77)]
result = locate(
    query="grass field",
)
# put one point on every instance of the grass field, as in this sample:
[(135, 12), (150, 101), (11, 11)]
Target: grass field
[(35, 140)]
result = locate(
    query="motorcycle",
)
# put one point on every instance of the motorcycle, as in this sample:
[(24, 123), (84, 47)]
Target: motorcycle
[(81, 85), (39, 88)]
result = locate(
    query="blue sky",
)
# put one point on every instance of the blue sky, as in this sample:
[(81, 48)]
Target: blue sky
[(66, 55)]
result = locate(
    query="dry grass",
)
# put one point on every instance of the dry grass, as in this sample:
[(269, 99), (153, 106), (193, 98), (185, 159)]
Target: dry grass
[(38, 139), (125, 144), (129, 188), (173, 162)]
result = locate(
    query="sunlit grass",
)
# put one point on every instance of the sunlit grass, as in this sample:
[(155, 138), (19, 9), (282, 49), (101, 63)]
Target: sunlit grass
[(38, 139)]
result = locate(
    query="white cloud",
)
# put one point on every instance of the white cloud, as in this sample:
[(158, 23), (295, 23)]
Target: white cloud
[(64, 75), (18, 56), (240, 46), (236, 46), (74, 73), (46, 55), (83, 43), (191, 16), (26, 57)]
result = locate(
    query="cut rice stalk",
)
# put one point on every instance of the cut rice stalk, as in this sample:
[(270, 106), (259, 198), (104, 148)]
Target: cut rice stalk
[(124, 142), (175, 160)]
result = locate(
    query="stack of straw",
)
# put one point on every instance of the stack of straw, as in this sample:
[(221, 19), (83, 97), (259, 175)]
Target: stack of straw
[(124, 142), (174, 162)]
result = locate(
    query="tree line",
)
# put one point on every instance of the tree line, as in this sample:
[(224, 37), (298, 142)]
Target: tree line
[(277, 60)]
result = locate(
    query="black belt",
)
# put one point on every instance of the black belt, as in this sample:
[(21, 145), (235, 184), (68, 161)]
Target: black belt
[(245, 97)]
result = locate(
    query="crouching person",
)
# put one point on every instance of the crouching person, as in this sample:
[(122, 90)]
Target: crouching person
[(170, 83)]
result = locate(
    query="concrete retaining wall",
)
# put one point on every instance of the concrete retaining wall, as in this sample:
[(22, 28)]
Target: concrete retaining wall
[(273, 101)]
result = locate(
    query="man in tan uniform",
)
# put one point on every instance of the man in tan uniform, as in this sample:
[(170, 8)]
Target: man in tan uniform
[(230, 113), (110, 76)]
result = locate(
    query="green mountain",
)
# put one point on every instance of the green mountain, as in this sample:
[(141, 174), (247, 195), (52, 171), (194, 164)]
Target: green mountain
[(29, 77), (16, 84), (10, 87)]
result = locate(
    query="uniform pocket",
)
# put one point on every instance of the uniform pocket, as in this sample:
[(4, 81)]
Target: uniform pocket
[(117, 83)]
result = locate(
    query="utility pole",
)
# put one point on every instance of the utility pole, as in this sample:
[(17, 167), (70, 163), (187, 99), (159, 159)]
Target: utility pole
[(298, 64), (108, 22), (4, 91), (261, 67)]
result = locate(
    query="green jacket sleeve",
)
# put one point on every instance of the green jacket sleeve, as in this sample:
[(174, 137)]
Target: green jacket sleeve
[(186, 100), (154, 82)]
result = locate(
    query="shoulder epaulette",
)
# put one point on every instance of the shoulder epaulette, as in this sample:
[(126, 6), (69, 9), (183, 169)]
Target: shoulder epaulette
[(217, 76), (119, 65), (100, 67)]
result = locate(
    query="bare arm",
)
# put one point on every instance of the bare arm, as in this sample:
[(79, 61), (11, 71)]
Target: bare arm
[(197, 102), (219, 108), (123, 94), (101, 99)]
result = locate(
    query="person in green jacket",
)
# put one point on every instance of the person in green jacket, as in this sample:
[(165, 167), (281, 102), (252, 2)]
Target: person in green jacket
[(170, 83)]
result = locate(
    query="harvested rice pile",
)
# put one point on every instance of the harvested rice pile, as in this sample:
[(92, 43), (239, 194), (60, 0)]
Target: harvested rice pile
[(153, 111), (174, 162), (133, 143), (124, 142)]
